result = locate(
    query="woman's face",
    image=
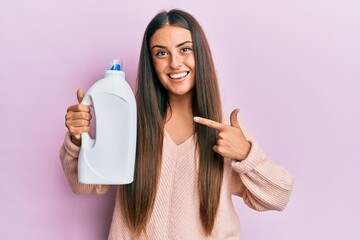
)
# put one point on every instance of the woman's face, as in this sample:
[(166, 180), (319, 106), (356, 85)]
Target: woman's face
[(173, 57)]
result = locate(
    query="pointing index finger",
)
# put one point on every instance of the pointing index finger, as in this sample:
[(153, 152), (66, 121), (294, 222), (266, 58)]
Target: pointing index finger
[(209, 123)]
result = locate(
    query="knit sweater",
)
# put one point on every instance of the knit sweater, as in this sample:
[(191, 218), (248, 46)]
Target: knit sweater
[(262, 184)]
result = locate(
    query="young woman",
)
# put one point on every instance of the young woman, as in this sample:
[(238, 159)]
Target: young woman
[(190, 158)]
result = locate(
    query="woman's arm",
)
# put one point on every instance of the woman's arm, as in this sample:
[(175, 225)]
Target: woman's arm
[(261, 183)]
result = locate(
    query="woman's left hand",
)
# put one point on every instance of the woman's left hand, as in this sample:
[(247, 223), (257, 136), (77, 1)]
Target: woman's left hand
[(231, 142)]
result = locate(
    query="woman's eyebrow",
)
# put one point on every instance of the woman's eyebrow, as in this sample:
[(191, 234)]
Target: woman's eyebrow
[(183, 43), (179, 45), (158, 46)]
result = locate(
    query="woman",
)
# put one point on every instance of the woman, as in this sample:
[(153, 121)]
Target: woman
[(188, 166)]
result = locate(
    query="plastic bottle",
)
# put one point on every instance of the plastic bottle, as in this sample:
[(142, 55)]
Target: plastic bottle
[(110, 157)]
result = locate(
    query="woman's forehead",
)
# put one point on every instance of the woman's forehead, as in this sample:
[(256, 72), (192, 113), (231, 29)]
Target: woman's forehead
[(170, 35)]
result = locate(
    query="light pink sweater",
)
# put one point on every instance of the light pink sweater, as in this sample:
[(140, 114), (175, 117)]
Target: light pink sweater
[(261, 183)]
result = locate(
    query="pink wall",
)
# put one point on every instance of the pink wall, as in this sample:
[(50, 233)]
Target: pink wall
[(292, 67)]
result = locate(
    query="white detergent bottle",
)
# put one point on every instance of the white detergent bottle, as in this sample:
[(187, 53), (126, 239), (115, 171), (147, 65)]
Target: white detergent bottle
[(110, 157)]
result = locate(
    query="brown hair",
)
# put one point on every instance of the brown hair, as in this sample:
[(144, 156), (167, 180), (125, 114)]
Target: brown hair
[(152, 102)]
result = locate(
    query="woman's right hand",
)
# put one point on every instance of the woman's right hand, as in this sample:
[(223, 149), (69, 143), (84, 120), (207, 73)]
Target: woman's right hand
[(77, 119)]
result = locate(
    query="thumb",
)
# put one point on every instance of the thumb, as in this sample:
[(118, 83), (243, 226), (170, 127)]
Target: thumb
[(80, 95), (233, 118)]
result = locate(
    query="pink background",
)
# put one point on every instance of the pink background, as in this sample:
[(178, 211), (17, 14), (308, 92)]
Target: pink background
[(292, 67)]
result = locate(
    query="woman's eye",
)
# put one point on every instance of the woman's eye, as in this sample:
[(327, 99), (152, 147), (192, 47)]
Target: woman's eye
[(161, 53), (186, 49)]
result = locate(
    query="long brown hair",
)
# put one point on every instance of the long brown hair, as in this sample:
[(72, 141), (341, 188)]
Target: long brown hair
[(152, 102)]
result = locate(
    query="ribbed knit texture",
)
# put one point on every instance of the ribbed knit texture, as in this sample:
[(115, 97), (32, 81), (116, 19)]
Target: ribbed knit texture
[(261, 183)]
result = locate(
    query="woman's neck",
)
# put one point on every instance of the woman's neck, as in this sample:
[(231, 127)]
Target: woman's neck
[(180, 104), (179, 120)]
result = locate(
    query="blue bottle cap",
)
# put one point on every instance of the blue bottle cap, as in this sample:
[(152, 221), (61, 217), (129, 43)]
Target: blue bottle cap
[(116, 67), (115, 64)]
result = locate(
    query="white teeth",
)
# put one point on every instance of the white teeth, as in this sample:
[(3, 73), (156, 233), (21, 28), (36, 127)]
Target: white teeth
[(178, 75)]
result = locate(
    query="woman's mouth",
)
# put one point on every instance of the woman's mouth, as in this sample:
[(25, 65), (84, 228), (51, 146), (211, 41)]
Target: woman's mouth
[(178, 76)]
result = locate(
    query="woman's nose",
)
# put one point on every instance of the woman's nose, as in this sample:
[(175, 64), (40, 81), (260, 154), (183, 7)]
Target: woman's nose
[(175, 61)]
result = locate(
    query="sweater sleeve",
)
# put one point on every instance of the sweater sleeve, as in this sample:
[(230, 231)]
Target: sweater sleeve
[(261, 183), (69, 153)]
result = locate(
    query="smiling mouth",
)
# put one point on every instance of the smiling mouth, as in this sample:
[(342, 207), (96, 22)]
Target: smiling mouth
[(178, 75)]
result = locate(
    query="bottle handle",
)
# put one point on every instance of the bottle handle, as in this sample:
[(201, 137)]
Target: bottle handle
[(86, 141), (87, 100)]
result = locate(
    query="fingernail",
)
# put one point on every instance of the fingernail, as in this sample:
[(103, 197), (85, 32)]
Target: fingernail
[(196, 119)]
